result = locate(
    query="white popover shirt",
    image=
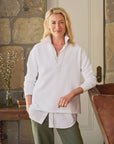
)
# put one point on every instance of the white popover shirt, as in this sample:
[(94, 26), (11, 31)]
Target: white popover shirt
[(50, 77)]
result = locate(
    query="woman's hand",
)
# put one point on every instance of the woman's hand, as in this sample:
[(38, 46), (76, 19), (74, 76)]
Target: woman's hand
[(63, 101)]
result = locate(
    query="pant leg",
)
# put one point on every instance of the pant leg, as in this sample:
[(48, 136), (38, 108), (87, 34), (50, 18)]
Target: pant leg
[(42, 133), (70, 135)]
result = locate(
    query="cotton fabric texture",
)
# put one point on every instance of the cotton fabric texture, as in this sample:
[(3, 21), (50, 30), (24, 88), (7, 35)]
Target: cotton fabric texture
[(57, 76)]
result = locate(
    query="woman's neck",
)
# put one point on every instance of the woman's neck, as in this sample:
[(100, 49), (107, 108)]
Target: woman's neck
[(58, 43), (58, 40)]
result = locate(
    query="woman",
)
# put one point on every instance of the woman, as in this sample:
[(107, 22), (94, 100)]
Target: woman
[(52, 83)]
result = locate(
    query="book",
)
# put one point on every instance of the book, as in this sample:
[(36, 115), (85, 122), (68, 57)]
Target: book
[(21, 103)]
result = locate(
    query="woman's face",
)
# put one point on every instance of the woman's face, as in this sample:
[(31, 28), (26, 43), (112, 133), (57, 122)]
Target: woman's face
[(57, 25)]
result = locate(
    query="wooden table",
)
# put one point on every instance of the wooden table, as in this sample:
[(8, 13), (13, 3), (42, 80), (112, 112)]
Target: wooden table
[(13, 113)]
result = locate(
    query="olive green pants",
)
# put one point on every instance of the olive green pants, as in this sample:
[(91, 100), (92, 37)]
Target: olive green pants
[(45, 135)]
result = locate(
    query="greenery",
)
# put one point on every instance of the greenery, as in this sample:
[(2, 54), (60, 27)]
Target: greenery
[(6, 66)]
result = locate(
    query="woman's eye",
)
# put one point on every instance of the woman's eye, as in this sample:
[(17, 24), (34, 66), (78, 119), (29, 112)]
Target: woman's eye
[(53, 22), (61, 22)]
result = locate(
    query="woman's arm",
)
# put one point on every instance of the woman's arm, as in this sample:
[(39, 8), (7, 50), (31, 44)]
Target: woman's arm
[(63, 101), (30, 78), (89, 81), (28, 99), (32, 72), (87, 72)]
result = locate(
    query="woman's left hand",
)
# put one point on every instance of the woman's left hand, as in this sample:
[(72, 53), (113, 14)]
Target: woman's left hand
[(63, 101)]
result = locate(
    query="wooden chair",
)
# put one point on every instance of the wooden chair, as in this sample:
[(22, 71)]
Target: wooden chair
[(102, 99)]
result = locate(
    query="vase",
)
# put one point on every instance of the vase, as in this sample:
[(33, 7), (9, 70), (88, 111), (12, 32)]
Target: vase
[(8, 99)]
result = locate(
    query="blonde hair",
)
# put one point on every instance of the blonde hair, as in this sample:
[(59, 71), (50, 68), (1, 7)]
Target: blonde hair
[(58, 10)]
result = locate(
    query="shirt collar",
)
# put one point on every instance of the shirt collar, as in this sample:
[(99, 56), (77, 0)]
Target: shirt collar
[(48, 39)]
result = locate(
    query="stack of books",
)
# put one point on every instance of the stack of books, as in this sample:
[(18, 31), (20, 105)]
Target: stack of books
[(21, 103)]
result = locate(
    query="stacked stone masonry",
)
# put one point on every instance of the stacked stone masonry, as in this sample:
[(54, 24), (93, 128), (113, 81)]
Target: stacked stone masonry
[(21, 27)]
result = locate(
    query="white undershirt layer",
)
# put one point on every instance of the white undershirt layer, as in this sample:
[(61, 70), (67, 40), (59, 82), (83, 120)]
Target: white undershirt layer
[(57, 76), (56, 120)]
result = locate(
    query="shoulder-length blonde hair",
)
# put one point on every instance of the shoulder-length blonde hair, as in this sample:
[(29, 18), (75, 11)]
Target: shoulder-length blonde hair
[(58, 10)]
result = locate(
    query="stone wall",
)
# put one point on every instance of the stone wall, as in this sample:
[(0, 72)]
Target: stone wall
[(109, 41), (21, 26)]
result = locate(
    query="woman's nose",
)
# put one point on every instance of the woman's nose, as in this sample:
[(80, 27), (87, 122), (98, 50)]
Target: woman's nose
[(57, 25)]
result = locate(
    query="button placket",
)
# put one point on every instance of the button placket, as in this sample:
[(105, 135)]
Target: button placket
[(60, 58)]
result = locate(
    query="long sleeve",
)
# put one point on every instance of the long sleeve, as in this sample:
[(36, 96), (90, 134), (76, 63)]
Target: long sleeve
[(87, 72), (32, 72), (57, 76)]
